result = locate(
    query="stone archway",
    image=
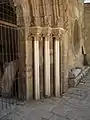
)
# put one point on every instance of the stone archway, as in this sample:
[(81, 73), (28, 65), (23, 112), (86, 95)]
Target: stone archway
[(23, 22)]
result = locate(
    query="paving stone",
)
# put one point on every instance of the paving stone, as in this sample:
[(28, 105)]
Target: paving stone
[(62, 110), (74, 105), (34, 115), (81, 95), (55, 117), (47, 105), (38, 115), (74, 114)]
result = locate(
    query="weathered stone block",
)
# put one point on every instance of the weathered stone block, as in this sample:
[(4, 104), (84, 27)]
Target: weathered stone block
[(73, 81), (8, 77)]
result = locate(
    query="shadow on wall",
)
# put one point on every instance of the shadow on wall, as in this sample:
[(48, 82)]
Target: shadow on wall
[(85, 62)]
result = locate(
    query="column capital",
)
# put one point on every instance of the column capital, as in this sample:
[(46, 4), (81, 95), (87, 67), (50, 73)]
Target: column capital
[(57, 32), (35, 31), (46, 31)]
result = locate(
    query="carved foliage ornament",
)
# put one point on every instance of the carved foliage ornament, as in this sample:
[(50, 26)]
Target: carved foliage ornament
[(48, 21), (58, 22)]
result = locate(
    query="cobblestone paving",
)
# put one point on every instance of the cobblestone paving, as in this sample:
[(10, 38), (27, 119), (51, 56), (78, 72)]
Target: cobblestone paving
[(74, 105)]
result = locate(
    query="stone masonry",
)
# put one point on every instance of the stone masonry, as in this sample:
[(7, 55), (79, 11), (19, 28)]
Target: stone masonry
[(87, 28), (50, 45)]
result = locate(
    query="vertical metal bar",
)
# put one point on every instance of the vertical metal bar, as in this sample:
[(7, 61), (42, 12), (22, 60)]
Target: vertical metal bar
[(2, 58), (7, 38), (13, 58), (11, 48), (5, 62), (18, 57), (17, 61), (8, 35), (2, 62), (8, 52), (7, 59)]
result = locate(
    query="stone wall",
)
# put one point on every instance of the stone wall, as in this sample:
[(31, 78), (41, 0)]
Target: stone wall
[(87, 30), (75, 43), (73, 12)]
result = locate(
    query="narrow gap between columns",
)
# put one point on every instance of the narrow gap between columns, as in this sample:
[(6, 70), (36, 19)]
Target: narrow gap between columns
[(33, 67), (53, 66)]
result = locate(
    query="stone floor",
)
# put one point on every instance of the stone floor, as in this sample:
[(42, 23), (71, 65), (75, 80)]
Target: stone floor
[(74, 105)]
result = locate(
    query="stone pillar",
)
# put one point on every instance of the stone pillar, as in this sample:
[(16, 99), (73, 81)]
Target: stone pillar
[(46, 34), (47, 67), (65, 58), (29, 68), (61, 68), (35, 33), (55, 33), (36, 69), (57, 67), (26, 49)]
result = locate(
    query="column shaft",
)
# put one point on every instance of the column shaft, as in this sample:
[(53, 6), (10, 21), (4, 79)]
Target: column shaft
[(57, 68), (47, 66), (36, 69)]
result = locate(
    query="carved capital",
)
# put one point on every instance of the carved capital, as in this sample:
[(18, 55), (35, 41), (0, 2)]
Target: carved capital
[(46, 31), (58, 33), (35, 31)]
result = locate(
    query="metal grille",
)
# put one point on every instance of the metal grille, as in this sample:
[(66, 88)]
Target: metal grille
[(9, 56), (7, 12), (9, 59)]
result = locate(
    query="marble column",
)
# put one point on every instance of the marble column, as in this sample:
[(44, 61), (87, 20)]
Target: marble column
[(57, 67), (47, 66), (36, 69), (35, 34), (46, 33), (56, 35)]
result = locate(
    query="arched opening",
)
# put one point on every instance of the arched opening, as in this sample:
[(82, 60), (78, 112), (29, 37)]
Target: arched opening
[(76, 37), (10, 86)]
